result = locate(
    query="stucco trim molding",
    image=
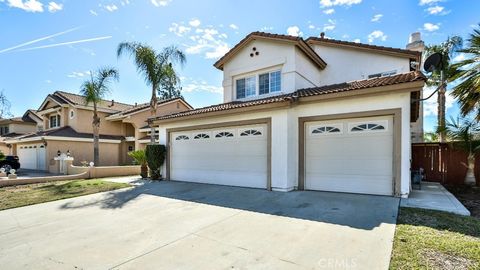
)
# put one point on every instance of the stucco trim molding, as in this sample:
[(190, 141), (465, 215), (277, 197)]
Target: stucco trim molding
[(60, 138)]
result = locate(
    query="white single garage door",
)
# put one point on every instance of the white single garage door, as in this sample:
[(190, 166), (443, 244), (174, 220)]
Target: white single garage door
[(234, 156), (32, 157), (350, 155)]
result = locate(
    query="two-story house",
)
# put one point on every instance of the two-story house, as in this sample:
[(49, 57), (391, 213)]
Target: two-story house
[(15, 127), (65, 126), (306, 114)]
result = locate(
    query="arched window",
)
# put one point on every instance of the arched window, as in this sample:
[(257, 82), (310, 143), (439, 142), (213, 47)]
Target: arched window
[(251, 132), (367, 127), (325, 129), (224, 134), (182, 137), (201, 136)]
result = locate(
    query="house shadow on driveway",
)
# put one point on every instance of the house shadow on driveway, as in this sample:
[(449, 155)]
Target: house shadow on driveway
[(353, 210)]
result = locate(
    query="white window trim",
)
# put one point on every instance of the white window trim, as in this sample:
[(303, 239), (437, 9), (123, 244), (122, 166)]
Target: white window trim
[(336, 125), (377, 122), (257, 84), (57, 121)]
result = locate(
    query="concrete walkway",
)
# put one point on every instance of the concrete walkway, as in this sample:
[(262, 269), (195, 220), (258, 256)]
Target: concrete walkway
[(434, 196), (174, 225)]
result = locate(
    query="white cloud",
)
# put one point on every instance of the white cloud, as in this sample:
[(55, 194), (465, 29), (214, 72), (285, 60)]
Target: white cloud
[(111, 7), (179, 29), (294, 31), (459, 57), (357, 40), (266, 28), (329, 11), (54, 7), (428, 2), (311, 26), (200, 86), (430, 27), (329, 26), (437, 10), (233, 26), (376, 17), (330, 3), (29, 5), (160, 3), (93, 12), (377, 34), (207, 41), (194, 23), (78, 74), (430, 105)]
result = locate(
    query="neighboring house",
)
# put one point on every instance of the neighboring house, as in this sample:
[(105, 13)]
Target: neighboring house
[(66, 125), (15, 127), (314, 114)]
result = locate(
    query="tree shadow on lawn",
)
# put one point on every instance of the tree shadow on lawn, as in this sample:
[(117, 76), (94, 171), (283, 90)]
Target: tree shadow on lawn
[(354, 210), (440, 220)]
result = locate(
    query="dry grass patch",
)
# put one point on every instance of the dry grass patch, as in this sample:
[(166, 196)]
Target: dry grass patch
[(22, 195), (427, 239)]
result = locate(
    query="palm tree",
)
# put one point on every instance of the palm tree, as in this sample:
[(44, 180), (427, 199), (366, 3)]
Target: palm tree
[(430, 137), (170, 84), (154, 66), (94, 90), (468, 73), (464, 134), (447, 49)]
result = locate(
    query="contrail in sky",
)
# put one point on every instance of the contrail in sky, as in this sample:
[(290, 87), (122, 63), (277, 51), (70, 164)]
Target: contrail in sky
[(38, 40), (65, 43)]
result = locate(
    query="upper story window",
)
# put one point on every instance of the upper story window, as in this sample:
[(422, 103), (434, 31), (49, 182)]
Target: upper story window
[(269, 82), (4, 130), (382, 74), (54, 121)]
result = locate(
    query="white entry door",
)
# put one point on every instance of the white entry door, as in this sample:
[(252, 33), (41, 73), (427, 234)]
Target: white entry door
[(32, 157), (234, 156), (350, 155)]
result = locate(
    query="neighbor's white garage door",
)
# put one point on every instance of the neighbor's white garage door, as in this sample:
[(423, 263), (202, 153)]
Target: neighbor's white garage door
[(234, 156), (32, 157), (350, 155)]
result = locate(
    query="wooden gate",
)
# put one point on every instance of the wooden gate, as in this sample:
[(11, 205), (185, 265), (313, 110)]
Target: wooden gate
[(442, 163)]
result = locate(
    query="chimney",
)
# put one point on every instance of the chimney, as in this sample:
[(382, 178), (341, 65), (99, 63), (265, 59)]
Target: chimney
[(415, 42), (322, 35), (113, 103)]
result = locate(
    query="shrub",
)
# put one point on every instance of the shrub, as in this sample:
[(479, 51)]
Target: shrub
[(155, 157), (140, 158)]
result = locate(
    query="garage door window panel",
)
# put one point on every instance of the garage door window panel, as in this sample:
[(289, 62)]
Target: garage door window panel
[(251, 132), (224, 134), (329, 129), (368, 127), (182, 138), (201, 136)]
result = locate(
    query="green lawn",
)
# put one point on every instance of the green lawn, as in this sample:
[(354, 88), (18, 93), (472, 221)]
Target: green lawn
[(426, 239), (16, 196)]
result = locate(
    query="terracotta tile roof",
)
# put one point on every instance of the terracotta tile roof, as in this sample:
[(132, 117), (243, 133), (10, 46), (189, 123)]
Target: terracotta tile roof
[(142, 106), (75, 99), (306, 92), (70, 132), (413, 54), (300, 42)]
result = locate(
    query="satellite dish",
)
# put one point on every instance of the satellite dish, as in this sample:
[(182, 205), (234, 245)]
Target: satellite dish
[(433, 62)]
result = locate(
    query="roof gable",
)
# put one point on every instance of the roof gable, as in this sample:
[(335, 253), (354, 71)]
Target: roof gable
[(296, 41)]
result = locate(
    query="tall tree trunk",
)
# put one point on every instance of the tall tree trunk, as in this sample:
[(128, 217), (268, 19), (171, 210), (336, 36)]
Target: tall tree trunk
[(153, 112), (470, 177), (96, 136), (441, 108)]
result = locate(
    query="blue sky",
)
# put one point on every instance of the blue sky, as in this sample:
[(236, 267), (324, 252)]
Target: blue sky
[(51, 45)]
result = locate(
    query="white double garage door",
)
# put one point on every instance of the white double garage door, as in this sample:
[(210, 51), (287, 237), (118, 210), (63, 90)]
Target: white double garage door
[(32, 156), (349, 155)]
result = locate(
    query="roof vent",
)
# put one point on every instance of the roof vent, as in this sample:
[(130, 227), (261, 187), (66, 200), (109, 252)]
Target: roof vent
[(322, 35)]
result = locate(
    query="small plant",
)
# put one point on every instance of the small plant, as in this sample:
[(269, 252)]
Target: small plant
[(155, 157), (140, 158)]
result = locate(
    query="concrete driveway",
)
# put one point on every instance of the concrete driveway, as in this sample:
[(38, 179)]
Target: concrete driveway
[(174, 225)]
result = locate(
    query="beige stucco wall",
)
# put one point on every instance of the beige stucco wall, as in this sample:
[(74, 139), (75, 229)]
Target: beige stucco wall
[(83, 151), (345, 64), (22, 128)]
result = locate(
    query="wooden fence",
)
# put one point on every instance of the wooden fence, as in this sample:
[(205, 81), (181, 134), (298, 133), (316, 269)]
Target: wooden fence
[(442, 163)]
